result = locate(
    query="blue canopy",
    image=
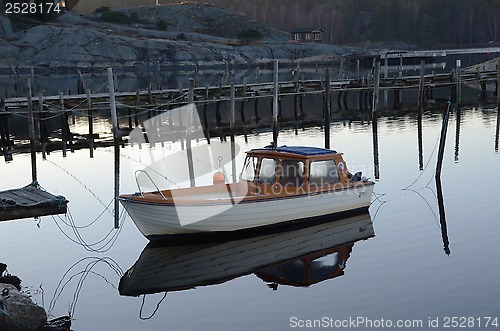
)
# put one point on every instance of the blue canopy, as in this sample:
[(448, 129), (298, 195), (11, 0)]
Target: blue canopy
[(300, 150)]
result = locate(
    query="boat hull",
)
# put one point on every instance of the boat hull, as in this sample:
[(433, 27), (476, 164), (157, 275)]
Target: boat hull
[(158, 219)]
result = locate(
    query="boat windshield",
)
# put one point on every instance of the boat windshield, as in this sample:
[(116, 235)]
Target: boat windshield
[(249, 167), (292, 173)]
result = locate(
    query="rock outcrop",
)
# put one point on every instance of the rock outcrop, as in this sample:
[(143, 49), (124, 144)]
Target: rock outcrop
[(193, 34), (18, 312)]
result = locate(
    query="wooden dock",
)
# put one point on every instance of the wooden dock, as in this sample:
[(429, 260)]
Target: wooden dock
[(339, 97), (30, 201)]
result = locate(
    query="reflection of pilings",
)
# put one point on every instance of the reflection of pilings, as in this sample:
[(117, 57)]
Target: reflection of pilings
[(442, 217), (498, 129), (117, 183), (459, 84), (457, 134), (498, 109), (420, 142), (375, 146), (442, 142)]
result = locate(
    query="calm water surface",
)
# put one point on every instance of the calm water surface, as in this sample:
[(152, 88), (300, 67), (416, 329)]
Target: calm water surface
[(402, 273)]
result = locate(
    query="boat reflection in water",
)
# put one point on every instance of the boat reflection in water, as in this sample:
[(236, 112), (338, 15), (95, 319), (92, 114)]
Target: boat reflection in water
[(298, 257)]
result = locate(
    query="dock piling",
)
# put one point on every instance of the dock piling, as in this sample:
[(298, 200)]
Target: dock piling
[(376, 87), (275, 104), (459, 84), (189, 127), (442, 142), (31, 124), (326, 108), (421, 85)]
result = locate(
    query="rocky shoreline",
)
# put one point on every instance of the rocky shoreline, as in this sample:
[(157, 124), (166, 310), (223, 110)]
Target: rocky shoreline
[(194, 35), (19, 313)]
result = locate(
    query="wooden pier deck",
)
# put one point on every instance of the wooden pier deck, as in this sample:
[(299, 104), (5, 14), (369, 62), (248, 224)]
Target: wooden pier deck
[(30, 201)]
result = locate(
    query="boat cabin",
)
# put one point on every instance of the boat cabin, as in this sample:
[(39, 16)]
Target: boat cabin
[(295, 169), (309, 269)]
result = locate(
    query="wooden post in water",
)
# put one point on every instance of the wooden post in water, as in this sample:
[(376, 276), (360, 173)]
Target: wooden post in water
[(112, 102), (275, 104), (31, 124), (136, 108), (32, 81), (114, 121), (498, 109), (256, 107), (63, 124), (376, 87), (91, 123), (442, 142), (459, 84), (189, 126), (38, 128), (232, 119), (376, 91), (421, 84), (15, 82), (296, 102), (326, 108), (386, 76), (206, 129), (232, 110), (3, 123)]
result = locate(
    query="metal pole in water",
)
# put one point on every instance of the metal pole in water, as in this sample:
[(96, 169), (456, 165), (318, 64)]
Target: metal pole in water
[(275, 105)]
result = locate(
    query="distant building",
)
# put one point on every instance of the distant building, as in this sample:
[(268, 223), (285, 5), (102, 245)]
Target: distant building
[(307, 35)]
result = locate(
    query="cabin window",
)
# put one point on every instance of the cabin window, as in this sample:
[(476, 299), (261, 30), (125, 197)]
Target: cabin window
[(249, 167), (267, 172), (292, 173), (323, 172)]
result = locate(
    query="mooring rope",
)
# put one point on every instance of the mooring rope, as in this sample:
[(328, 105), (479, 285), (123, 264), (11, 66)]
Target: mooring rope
[(83, 276), (156, 309)]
